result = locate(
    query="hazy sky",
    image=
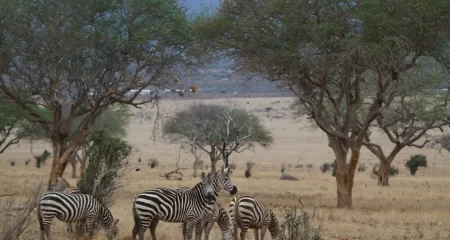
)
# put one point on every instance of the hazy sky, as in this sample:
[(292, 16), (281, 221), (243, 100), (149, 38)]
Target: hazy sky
[(196, 5)]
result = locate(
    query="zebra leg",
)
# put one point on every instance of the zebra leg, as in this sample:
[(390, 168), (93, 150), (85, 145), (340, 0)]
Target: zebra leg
[(243, 232), (256, 233), (263, 231), (144, 225), (90, 221), (198, 229), (153, 226), (208, 228), (190, 224)]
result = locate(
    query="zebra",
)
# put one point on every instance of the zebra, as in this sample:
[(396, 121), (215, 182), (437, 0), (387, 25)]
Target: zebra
[(185, 206), (62, 185), (218, 215), (247, 212), (71, 208)]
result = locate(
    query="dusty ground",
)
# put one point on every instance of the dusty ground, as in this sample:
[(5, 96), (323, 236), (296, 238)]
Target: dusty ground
[(412, 208)]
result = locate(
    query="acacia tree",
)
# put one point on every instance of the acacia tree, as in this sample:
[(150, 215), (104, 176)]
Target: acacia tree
[(217, 130), (343, 60), (10, 122), (416, 110), (80, 57)]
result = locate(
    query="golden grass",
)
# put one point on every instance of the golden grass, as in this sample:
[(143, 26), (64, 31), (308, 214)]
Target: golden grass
[(411, 208)]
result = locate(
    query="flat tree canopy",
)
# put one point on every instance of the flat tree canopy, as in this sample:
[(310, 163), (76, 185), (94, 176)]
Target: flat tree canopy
[(337, 57), (218, 130), (76, 58)]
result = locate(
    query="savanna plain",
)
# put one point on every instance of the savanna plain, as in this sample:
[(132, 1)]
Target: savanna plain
[(413, 207)]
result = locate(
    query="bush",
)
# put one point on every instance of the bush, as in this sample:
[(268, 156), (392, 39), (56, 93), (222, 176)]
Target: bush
[(287, 176), (297, 225), (27, 161), (283, 168), (42, 158), (334, 168), (393, 171), (309, 166), (232, 166), (12, 162), (153, 163), (107, 157), (16, 214), (325, 167), (362, 167), (416, 161), (299, 166)]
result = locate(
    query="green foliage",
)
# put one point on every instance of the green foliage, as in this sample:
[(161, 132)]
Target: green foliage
[(297, 225), (393, 171), (416, 161), (106, 162), (209, 124)]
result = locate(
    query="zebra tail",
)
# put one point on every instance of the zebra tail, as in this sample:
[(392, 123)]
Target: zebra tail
[(236, 211), (39, 215)]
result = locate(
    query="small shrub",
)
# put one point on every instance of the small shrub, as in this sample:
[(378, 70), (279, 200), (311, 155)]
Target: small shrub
[(299, 166), (362, 167), (248, 173), (42, 158), (283, 168), (232, 166), (309, 166), (298, 225), (139, 160), (393, 171), (153, 162), (27, 161), (268, 109), (287, 176), (415, 162), (325, 167), (12, 162)]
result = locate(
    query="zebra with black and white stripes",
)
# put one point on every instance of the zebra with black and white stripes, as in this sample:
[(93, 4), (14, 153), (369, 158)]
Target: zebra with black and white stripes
[(247, 212), (219, 216), (72, 208), (186, 206), (205, 224)]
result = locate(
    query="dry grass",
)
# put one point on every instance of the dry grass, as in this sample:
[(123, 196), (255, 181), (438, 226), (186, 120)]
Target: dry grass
[(412, 208)]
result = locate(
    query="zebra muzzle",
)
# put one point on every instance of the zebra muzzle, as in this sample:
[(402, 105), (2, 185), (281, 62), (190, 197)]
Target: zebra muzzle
[(234, 190)]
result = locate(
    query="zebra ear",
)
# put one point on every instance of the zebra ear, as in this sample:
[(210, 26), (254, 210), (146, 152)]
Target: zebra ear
[(117, 221)]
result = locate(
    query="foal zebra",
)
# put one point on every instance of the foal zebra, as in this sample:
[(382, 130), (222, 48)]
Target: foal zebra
[(247, 212), (71, 208), (186, 206), (218, 215)]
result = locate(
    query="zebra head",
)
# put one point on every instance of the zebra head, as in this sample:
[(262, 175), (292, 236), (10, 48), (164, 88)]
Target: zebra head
[(209, 188), (222, 181), (108, 222)]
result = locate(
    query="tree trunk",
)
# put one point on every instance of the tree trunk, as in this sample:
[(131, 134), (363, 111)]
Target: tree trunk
[(344, 179), (82, 165), (59, 162), (383, 173), (73, 162), (213, 165), (197, 160)]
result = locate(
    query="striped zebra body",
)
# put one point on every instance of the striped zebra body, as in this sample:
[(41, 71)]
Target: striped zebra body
[(247, 212), (219, 216), (185, 206), (216, 215), (62, 185), (72, 208)]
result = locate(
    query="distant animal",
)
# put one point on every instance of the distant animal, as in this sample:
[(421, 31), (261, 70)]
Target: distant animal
[(247, 212), (73, 208)]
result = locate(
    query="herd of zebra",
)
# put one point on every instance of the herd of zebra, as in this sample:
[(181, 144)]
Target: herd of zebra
[(196, 208)]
